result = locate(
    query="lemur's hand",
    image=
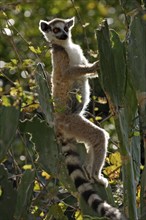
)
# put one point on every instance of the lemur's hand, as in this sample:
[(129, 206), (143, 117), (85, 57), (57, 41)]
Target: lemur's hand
[(95, 66)]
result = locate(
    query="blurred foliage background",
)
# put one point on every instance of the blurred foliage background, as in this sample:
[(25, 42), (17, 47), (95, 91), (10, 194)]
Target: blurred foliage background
[(22, 46)]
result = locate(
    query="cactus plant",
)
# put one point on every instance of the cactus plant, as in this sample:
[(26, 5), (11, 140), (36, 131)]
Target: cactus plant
[(7, 130), (123, 79)]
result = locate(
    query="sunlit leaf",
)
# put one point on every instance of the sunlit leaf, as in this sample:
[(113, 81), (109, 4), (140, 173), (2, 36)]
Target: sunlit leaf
[(14, 91), (63, 206), (42, 214), (14, 61), (35, 208), (94, 97), (136, 133), (115, 159), (27, 62), (27, 167), (78, 215), (6, 101), (96, 109), (46, 175), (112, 171), (35, 50), (36, 186), (97, 118), (79, 98), (30, 108)]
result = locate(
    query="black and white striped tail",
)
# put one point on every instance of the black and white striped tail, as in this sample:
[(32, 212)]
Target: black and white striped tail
[(84, 187)]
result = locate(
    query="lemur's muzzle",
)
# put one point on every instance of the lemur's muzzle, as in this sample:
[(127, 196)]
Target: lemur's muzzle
[(63, 36)]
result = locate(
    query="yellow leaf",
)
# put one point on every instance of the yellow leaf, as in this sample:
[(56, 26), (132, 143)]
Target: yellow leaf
[(63, 206), (78, 215), (27, 167), (35, 208), (94, 97), (35, 50), (46, 175), (112, 171), (115, 159), (79, 98), (102, 9), (5, 101), (42, 214), (97, 118), (14, 61), (96, 109), (92, 120), (30, 108), (36, 186), (4, 14), (13, 91)]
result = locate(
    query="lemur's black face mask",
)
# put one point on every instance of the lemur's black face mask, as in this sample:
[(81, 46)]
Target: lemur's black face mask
[(61, 34)]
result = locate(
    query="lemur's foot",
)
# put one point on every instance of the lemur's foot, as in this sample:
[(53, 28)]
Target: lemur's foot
[(95, 66), (102, 180), (94, 178)]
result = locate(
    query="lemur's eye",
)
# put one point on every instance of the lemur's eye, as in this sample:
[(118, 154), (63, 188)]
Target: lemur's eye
[(56, 30), (66, 29)]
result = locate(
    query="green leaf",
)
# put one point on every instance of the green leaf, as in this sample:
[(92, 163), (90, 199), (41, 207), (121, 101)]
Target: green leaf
[(79, 97), (6, 101), (45, 142), (136, 47), (8, 196), (14, 61), (44, 92), (130, 6), (35, 50), (112, 64), (9, 117), (56, 211), (25, 191)]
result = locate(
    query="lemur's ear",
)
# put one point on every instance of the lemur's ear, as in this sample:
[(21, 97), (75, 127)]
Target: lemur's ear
[(44, 26), (71, 22)]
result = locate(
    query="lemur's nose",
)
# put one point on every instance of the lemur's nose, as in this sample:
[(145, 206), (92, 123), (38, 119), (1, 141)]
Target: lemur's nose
[(63, 36)]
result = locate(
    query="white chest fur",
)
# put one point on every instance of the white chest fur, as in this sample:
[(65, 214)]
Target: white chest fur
[(75, 54)]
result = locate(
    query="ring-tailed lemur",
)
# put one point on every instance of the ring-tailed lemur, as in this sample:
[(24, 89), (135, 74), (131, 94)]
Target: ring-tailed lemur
[(70, 91)]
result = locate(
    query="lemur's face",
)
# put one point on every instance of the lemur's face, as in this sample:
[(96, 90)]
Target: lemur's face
[(57, 30)]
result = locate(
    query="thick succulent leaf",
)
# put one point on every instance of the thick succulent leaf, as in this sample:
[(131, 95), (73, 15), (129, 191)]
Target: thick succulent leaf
[(136, 47), (8, 196), (9, 117), (130, 6), (112, 64), (24, 195), (44, 93), (44, 139)]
